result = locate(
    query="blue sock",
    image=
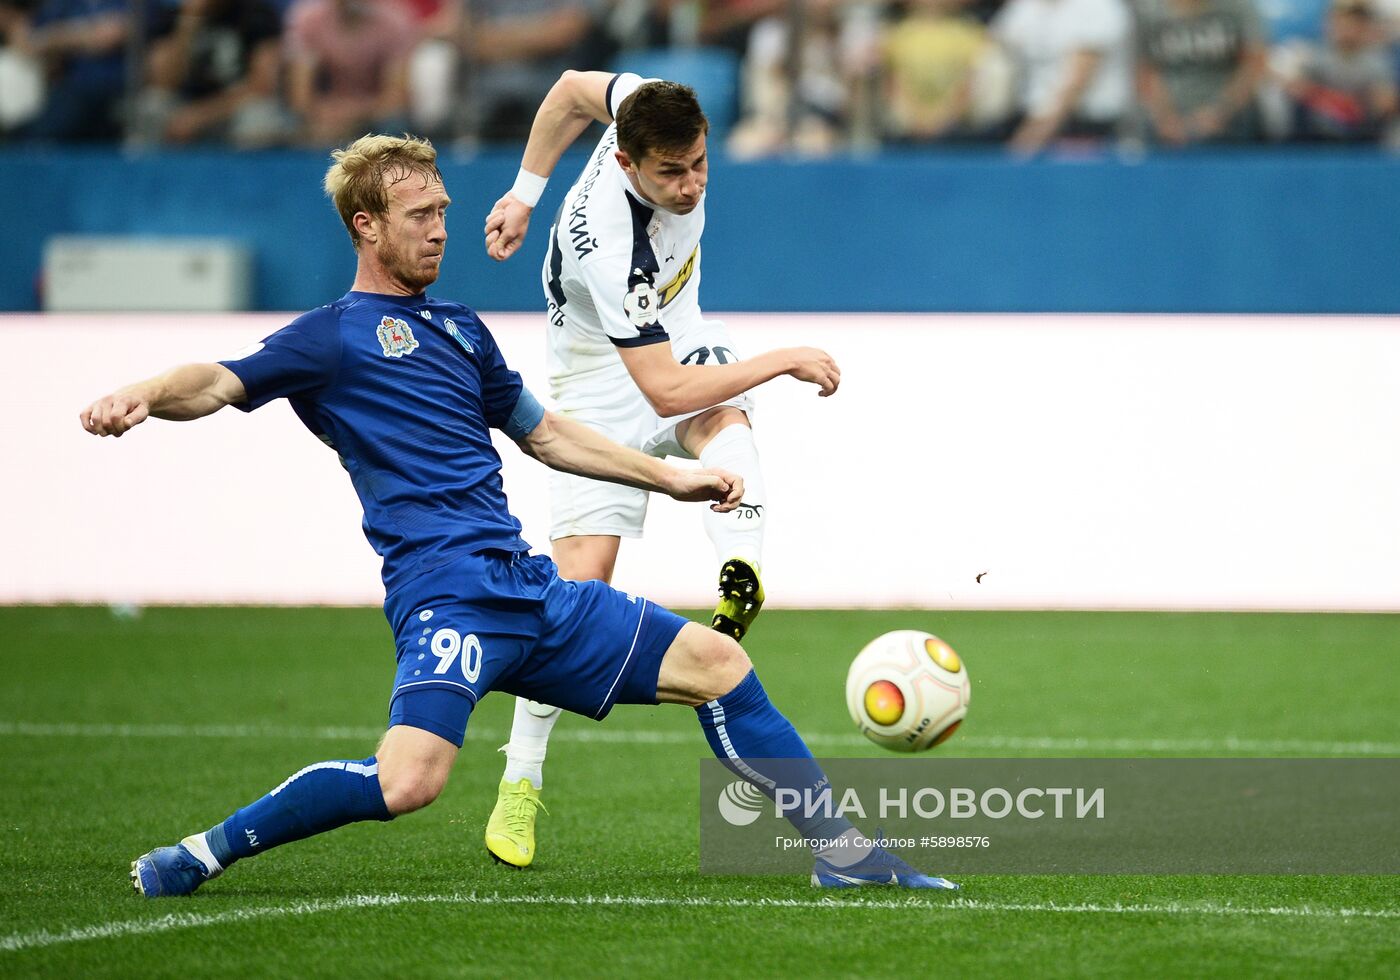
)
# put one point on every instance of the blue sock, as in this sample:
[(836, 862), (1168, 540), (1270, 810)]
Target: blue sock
[(320, 797), (748, 734)]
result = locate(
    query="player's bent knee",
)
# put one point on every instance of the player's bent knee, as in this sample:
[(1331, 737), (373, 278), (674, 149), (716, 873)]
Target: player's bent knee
[(721, 417), (413, 767), (409, 789), (581, 558), (730, 662), (728, 678), (700, 666), (697, 432)]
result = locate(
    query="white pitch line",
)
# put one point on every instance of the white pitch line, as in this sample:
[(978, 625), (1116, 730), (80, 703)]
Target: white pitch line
[(933, 904), (598, 734)]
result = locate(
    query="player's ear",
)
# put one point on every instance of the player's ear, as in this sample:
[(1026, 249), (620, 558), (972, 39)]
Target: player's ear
[(625, 162), (365, 226)]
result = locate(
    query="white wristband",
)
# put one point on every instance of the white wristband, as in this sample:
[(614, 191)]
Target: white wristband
[(528, 187)]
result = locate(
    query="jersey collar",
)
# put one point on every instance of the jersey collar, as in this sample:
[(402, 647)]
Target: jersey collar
[(414, 300)]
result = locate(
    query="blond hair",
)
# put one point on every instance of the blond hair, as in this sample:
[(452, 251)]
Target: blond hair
[(356, 181)]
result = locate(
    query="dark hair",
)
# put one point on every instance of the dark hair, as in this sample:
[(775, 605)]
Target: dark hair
[(660, 117)]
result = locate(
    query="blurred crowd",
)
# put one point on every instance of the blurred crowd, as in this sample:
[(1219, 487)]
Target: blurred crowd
[(777, 76)]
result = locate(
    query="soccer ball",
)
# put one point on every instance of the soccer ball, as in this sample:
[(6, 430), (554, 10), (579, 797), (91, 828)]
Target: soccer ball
[(907, 691)]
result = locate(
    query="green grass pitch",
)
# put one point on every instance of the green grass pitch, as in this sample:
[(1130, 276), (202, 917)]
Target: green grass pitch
[(121, 734)]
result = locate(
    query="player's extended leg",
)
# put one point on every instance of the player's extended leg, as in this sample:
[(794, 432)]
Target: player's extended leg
[(723, 438), (510, 830), (407, 773), (711, 673)]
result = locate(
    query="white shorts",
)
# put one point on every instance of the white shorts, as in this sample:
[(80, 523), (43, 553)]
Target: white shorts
[(616, 407)]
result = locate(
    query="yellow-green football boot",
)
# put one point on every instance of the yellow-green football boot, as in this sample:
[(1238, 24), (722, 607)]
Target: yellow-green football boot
[(510, 833), (740, 598)]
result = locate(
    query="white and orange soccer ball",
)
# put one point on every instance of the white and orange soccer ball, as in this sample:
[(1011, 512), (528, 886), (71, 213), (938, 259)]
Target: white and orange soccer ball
[(907, 691)]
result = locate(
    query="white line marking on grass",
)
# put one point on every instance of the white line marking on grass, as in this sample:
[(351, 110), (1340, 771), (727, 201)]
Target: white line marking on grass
[(624, 736), (933, 904)]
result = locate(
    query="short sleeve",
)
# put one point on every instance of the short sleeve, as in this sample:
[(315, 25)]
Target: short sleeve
[(625, 298), (500, 386), (622, 285), (622, 86), (300, 359)]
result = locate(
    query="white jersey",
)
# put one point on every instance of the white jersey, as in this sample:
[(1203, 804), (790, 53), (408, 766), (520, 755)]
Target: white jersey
[(618, 272)]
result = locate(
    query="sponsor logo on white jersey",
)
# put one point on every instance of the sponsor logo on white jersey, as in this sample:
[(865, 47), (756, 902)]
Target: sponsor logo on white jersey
[(673, 288)]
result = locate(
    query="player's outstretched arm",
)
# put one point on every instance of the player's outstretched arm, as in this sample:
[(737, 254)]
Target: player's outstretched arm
[(673, 388), (575, 101), (191, 391), (563, 444)]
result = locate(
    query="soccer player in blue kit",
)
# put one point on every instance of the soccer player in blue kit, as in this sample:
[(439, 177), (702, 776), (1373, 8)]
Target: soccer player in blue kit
[(405, 387)]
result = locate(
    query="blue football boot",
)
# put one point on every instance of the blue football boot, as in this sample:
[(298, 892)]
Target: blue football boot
[(171, 871), (879, 867)]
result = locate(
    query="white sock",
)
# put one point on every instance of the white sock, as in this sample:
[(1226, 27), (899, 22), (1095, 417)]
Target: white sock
[(197, 845), (846, 850), (529, 740), (738, 534)]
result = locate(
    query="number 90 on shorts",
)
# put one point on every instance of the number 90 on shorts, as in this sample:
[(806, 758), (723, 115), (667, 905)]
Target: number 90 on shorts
[(455, 646), (452, 648)]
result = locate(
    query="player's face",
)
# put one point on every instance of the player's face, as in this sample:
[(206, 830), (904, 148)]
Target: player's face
[(413, 235), (673, 181)]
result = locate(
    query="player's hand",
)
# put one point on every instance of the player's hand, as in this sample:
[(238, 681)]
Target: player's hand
[(725, 489), (113, 415), (816, 366), (506, 226)]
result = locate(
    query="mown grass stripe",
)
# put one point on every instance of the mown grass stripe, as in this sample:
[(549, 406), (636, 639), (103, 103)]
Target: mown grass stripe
[(596, 734)]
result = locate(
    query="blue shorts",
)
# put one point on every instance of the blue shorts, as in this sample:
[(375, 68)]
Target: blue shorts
[(500, 622)]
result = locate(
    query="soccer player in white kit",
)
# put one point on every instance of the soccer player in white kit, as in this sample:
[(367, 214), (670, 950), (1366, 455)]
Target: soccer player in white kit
[(631, 355)]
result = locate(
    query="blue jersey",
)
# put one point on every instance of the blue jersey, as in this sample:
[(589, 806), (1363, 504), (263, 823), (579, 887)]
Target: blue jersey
[(405, 389)]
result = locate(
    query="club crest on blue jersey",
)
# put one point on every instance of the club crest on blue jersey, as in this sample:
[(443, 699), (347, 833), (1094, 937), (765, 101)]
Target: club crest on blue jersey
[(396, 338)]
